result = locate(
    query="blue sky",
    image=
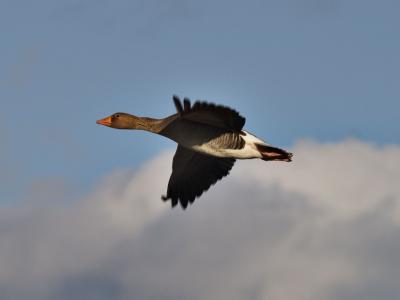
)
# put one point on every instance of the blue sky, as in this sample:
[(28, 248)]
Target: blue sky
[(80, 209), (324, 70)]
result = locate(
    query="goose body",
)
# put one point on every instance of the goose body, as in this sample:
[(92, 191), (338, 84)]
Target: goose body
[(210, 138), (213, 141)]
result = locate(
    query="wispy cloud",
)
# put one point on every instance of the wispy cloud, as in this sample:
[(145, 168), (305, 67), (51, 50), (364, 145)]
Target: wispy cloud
[(323, 227)]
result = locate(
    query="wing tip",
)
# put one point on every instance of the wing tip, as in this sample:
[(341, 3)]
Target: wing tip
[(186, 104), (174, 201), (178, 104), (181, 106)]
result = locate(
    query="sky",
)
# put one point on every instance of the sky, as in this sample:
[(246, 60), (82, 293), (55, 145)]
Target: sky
[(78, 217)]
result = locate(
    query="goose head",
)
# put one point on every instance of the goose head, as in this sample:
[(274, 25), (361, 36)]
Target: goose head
[(120, 121)]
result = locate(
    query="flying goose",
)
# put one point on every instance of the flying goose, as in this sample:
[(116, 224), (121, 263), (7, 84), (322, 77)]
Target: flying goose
[(209, 137)]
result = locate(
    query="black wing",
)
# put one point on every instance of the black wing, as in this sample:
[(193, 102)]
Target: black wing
[(193, 173), (209, 113)]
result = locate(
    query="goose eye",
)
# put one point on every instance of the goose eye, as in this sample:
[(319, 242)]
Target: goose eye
[(117, 116)]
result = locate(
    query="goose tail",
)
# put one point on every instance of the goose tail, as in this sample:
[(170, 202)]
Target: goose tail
[(273, 153)]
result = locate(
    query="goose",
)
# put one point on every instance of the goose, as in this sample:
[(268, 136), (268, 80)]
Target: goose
[(210, 138)]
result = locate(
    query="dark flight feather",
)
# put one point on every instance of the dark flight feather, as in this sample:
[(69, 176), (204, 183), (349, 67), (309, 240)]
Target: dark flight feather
[(193, 173)]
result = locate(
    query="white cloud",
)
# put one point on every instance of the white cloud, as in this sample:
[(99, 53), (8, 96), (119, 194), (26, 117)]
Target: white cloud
[(346, 178), (323, 227)]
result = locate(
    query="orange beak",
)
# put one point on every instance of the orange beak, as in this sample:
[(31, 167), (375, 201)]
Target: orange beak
[(106, 121)]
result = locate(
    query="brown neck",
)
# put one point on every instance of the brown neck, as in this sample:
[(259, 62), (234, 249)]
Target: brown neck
[(152, 125)]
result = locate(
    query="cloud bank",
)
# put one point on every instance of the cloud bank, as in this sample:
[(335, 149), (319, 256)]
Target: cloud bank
[(323, 227)]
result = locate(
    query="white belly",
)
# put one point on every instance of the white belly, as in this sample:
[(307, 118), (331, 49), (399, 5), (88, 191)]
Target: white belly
[(248, 151)]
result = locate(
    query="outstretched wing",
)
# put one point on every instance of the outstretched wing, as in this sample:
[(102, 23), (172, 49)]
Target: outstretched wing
[(193, 173), (209, 113)]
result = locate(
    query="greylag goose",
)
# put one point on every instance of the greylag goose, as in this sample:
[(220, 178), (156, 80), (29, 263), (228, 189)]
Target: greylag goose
[(209, 137)]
